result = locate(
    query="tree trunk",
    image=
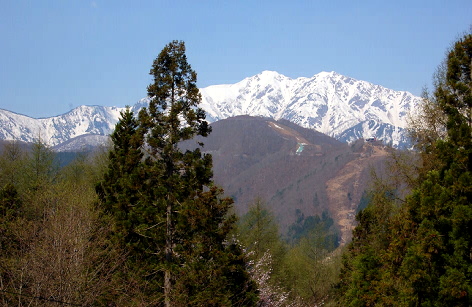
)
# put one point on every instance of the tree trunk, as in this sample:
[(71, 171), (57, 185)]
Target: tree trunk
[(168, 251)]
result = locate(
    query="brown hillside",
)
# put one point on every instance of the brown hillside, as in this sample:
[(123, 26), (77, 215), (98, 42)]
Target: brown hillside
[(346, 187), (290, 168)]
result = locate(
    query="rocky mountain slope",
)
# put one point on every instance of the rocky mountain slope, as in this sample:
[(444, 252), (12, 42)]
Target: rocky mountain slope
[(336, 105)]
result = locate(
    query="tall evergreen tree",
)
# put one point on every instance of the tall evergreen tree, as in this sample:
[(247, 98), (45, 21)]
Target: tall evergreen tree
[(440, 256), (124, 177), (174, 97), (422, 255), (168, 212), (361, 274), (12, 164)]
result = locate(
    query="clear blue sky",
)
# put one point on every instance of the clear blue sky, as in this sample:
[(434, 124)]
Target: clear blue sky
[(56, 55)]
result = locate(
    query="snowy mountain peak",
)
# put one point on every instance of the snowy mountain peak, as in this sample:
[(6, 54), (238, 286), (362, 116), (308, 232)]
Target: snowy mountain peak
[(327, 74), (339, 106), (269, 75)]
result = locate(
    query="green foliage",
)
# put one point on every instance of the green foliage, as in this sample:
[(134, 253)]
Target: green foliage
[(12, 164), (50, 237), (41, 168), (123, 182), (301, 273), (312, 268), (361, 273), (10, 211), (259, 233), (441, 206), (10, 203), (304, 227)]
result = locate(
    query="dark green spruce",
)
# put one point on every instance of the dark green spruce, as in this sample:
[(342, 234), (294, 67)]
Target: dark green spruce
[(169, 216)]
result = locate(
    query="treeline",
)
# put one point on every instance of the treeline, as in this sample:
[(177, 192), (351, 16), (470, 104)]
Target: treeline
[(417, 250)]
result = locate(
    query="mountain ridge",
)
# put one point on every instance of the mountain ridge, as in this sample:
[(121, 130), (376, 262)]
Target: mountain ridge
[(327, 102), (339, 106)]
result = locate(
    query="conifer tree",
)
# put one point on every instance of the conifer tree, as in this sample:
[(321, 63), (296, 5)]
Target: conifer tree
[(439, 260), (12, 164), (173, 221), (174, 97), (124, 177), (421, 254), (361, 274), (259, 232), (126, 193)]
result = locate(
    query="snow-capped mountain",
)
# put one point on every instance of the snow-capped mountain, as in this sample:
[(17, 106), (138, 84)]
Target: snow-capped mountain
[(339, 106), (84, 120), (336, 105)]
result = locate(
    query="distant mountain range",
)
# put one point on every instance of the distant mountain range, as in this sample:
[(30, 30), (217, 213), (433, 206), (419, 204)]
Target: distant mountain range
[(336, 105)]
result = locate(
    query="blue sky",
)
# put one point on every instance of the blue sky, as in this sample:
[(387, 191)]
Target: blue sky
[(57, 55)]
